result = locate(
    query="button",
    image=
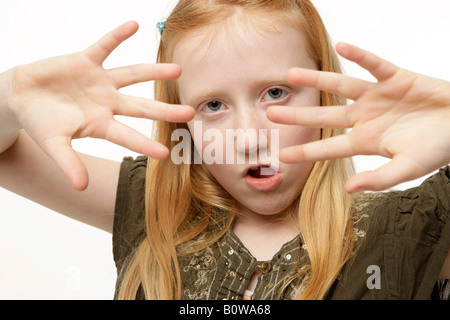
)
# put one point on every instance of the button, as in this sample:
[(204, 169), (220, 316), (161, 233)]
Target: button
[(288, 257), (230, 252), (265, 267)]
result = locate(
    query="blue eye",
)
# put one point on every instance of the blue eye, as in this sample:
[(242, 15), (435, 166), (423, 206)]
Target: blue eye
[(275, 94), (213, 106)]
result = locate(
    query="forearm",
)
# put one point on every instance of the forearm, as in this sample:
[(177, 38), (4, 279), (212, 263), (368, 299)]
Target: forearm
[(9, 125)]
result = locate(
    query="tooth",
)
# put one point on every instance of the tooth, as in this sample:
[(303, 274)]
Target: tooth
[(267, 171)]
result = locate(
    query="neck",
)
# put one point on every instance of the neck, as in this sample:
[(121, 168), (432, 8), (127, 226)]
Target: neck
[(264, 235)]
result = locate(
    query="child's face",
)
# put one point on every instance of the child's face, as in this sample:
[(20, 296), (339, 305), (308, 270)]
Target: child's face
[(231, 84)]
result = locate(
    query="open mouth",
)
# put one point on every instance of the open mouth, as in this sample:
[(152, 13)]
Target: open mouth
[(261, 172), (263, 178)]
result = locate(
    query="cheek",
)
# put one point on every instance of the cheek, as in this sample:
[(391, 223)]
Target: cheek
[(220, 172), (206, 137)]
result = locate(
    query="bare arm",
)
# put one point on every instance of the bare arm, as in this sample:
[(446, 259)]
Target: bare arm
[(26, 170), (46, 104)]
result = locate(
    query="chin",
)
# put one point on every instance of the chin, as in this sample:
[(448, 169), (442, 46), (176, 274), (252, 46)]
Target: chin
[(268, 207)]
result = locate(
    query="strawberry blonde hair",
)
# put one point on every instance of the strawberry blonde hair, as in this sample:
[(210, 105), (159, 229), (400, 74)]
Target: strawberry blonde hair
[(186, 208)]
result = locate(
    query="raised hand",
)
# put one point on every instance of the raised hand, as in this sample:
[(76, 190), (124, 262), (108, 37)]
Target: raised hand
[(404, 116), (73, 96)]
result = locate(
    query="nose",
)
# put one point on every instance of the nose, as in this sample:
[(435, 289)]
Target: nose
[(251, 132)]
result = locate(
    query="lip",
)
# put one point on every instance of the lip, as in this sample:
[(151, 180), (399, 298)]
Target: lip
[(262, 184)]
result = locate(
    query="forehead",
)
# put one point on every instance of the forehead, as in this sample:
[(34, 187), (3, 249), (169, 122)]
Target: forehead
[(239, 54), (203, 42)]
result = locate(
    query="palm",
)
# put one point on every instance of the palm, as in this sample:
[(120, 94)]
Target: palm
[(73, 96), (404, 117), (381, 125), (76, 103)]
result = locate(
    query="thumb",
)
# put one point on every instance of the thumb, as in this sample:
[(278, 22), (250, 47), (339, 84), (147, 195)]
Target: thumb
[(60, 150)]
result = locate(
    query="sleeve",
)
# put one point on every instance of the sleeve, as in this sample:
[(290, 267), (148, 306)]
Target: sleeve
[(418, 238), (129, 215)]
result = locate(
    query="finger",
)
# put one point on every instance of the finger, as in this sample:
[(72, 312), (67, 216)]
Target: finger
[(99, 51), (60, 150), (155, 110), (133, 140), (327, 149), (399, 169), (337, 117), (344, 86), (126, 76), (379, 68)]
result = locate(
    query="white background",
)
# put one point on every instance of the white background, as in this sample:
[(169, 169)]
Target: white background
[(44, 255)]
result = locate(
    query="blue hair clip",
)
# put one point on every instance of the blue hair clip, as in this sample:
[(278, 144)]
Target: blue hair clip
[(161, 27)]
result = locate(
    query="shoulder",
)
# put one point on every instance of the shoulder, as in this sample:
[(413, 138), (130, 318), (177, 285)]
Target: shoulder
[(131, 178), (405, 212), (129, 215), (405, 239)]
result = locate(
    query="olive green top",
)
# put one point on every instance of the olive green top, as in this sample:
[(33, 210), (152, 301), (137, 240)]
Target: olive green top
[(402, 237)]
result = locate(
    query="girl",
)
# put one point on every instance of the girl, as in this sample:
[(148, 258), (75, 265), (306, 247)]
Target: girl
[(229, 231)]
